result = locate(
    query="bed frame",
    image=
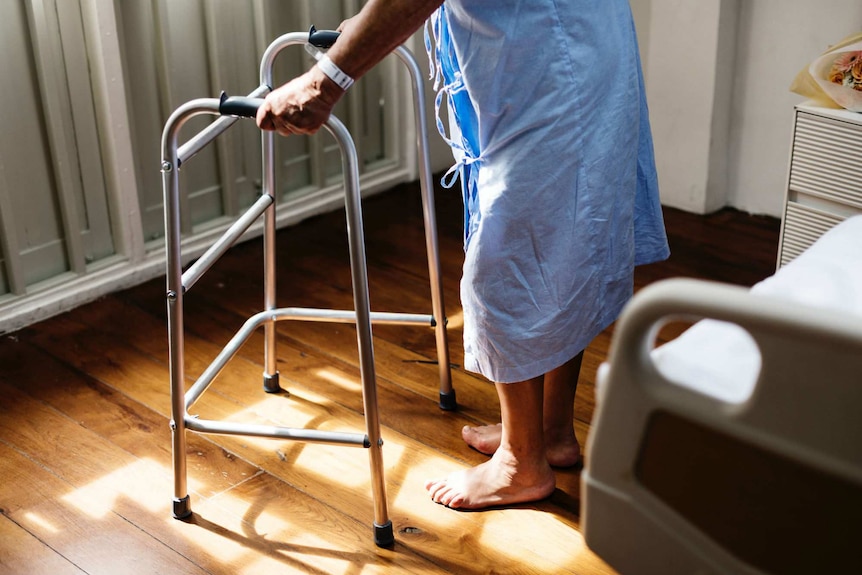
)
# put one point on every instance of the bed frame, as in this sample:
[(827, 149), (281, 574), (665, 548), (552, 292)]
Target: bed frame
[(766, 477)]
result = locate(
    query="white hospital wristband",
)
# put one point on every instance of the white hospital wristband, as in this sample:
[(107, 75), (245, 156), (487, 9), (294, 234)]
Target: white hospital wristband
[(334, 73)]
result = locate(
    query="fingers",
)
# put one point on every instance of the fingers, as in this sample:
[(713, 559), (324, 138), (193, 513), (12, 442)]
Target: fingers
[(264, 117), (285, 128), (268, 120)]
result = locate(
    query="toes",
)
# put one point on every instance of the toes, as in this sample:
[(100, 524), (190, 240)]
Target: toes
[(443, 492), (436, 489), (449, 497)]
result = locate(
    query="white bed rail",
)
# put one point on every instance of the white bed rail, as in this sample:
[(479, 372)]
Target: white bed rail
[(803, 413)]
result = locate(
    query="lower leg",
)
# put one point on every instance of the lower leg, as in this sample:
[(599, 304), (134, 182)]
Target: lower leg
[(562, 447), (561, 384), (518, 471)]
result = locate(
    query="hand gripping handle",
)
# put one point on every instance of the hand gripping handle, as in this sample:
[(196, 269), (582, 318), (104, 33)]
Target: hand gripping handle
[(247, 107)]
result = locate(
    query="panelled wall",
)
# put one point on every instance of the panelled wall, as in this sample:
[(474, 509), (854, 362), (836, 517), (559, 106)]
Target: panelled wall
[(53, 194), (87, 87)]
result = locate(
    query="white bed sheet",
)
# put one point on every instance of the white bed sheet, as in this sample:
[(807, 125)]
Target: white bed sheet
[(721, 359)]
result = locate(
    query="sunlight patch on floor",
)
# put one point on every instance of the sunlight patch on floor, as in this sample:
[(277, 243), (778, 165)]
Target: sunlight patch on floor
[(504, 533), (145, 482), (303, 409), (520, 527), (287, 546), (149, 486), (346, 383), (37, 519), (258, 526)]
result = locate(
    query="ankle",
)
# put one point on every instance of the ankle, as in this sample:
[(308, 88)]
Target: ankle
[(521, 459), (560, 434)]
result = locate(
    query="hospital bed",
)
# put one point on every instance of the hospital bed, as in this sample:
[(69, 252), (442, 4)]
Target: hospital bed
[(736, 447)]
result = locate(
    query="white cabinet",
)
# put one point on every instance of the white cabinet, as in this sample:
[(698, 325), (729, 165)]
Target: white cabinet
[(824, 185)]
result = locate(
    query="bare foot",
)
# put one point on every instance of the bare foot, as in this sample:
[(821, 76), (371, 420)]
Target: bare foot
[(564, 453), (501, 481), (484, 439), (563, 450)]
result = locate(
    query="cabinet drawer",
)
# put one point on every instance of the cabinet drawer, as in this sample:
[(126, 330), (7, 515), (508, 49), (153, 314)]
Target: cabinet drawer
[(801, 228), (826, 159)]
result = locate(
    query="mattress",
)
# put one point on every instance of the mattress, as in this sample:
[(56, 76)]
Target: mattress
[(722, 360)]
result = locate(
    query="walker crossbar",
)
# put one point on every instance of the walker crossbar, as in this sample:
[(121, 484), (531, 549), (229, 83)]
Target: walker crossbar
[(290, 313), (277, 432), (178, 283), (224, 243)]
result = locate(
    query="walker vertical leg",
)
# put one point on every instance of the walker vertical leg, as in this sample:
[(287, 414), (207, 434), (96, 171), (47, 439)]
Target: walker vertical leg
[(181, 504), (270, 374), (448, 401), (383, 534), (170, 184)]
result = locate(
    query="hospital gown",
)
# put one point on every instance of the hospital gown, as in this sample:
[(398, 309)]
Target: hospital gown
[(549, 127)]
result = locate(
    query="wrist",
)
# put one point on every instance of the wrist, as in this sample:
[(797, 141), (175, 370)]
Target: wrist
[(334, 73)]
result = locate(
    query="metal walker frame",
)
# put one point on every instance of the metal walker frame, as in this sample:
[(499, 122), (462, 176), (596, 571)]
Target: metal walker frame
[(179, 282)]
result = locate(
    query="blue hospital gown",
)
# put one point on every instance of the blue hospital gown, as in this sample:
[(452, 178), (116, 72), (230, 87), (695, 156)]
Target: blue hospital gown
[(549, 127)]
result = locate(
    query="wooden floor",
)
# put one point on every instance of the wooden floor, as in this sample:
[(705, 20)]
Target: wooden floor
[(85, 465)]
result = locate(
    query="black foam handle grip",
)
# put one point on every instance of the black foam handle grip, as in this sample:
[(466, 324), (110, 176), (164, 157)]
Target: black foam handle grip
[(239, 106), (322, 38)]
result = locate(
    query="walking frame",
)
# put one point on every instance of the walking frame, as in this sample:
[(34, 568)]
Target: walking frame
[(179, 282)]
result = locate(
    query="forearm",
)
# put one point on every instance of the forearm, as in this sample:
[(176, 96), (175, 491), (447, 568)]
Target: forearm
[(379, 28), (302, 105)]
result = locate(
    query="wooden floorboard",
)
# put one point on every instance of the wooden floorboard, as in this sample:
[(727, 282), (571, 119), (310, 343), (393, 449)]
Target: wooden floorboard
[(85, 462)]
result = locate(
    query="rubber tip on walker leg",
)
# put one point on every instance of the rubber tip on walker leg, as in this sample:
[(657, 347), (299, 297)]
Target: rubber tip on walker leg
[(448, 401), (270, 383), (383, 535), (182, 508)]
